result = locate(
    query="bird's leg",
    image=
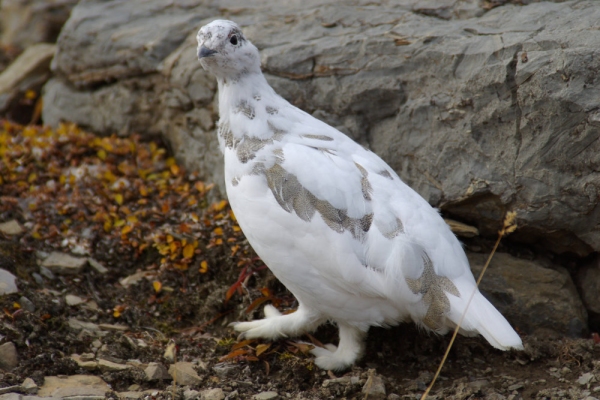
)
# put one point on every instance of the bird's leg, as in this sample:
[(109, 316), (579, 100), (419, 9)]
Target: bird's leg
[(349, 349), (275, 325)]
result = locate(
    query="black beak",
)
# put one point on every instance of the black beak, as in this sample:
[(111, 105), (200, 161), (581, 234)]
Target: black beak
[(205, 52)]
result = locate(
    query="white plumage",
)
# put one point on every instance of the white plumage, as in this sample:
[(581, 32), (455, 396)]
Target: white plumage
[(333, 221)]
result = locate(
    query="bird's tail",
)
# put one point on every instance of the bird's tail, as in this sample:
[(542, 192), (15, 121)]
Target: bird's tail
[(483, 318)]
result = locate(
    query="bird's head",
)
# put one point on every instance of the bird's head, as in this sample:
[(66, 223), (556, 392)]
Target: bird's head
[(224, 51)]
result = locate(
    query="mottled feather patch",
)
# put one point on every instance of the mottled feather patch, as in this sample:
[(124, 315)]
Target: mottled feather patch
[(366, 187), (433, 287), (257, 97), (386, 174), (258, 169), (271, 110), (249, 146), (245, 108), (225, 133), (277, 132), (292, 196), (318, 137), (279, 155), (235, 181), (396, 231)]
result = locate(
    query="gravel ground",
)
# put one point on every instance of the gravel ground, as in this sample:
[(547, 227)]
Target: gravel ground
[(128, 272)]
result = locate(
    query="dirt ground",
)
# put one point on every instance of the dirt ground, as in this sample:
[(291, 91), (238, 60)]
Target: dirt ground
[(126, 204)]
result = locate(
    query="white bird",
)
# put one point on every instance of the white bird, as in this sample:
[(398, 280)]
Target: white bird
[(334, 223)]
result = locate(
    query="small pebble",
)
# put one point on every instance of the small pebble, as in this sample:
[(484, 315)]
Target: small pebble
[(266, 396)]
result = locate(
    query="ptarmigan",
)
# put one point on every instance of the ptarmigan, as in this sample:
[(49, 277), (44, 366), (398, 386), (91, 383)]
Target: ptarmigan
[(332, 220)]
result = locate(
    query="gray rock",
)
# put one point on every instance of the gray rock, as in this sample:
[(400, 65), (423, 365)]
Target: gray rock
[(531, 296), (266, 396), (586, 378), (114, 327), (184, 373), (29, 386), (10, 396), (9, 358), (73, 300), (64, 264), (131, 395), (106, 365), (78, 325), (47, 273), (224, 370), (8, 282), (374, 388), (588, 280), (26, 304), (11, 227), (28, 72), (85, 362), (212, 394), (28, 22), (97, 265), (62, 386), (190, 394), (135, 278), (505, 98), (156, 372)]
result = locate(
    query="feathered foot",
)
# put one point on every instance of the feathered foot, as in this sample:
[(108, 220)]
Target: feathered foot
[(275, 325), (350, 348)]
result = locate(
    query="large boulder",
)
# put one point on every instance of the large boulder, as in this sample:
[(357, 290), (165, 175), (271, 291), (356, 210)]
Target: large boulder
[(480, 110), (534, 297), (27, 22)]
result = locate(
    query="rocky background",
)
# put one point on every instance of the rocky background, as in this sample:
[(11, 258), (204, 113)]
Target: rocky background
[(482, 106)]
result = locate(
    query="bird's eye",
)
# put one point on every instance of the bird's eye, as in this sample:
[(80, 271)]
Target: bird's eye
[(233, 40)]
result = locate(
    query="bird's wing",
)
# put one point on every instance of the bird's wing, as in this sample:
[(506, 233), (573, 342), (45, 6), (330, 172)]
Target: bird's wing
[(392, 230)]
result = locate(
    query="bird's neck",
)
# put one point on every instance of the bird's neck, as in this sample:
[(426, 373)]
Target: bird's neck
[(243, 89)]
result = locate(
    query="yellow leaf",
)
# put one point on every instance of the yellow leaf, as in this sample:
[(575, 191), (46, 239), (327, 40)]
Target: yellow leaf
[(170, 162), (219, 242), (132, 219), (126, 229), (261, 348), (194, 217), (143, 191), (32, 177), (16, 305), (30, 94), (188, 251), (218, 231), (181, 267), (107, 225), (236, 228), (157, 286), (116, 313), (169, 238), (220, 205), (119, 198), (119, 222), (175, 169), (102, 154), (203, 267)]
